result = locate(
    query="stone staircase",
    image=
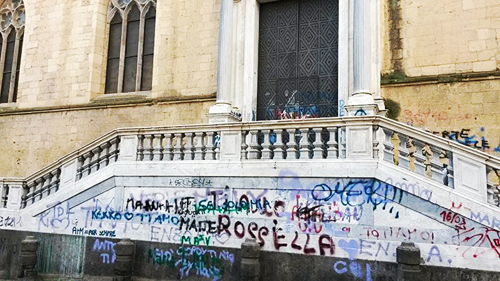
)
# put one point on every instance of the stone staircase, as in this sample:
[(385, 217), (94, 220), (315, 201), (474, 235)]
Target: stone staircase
[(369, 178)]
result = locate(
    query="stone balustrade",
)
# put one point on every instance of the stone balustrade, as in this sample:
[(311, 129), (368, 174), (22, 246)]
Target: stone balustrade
[(419, 156), (366, 138), (98, 157), (4, 195), (178, 146)]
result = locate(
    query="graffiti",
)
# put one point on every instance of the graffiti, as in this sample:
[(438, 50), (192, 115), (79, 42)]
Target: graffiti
[(360, 112), (197, 240), (7, 221), (58, 216), (182, 207), (106, 249), (420, 117), (93, 232), (413, 188), (399, 233), (341, 108), (490, 221), (192, 260), (466, 136), (354, 268), (217, 141), (479, 239), (244, 205), (454, 218), (192, 182), (359, 192)]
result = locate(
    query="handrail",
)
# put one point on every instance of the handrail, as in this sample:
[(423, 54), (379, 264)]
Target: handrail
[(319, 139)]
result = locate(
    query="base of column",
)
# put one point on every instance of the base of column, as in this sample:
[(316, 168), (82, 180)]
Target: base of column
[(223, 113), (361, 104)]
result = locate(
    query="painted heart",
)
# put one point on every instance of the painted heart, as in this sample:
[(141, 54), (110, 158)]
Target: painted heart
[(351, 247)]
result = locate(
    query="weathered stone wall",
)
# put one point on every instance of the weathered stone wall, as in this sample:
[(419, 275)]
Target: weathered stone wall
[(192, 228), (442, 37), (32, 140), (447, 107), (65, 50), (63, 72), (440, 67)]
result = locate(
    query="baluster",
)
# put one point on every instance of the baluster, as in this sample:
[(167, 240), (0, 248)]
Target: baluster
[(188, 148), (39, 188), (56, 179), (30, 196), (178, 149), (244, 144), (104, 159), (114, 151), (395, 147), (148, 147), (279, 152), (491, 190), (157, 148), (79, 167), (3, 195), (167, 144), (445, 162), (266, 145), (376, 142), (332, 150), (254, 148), (217, 143), (140, 148), (94, 164), (86, 164), (428, 154), (209, 147), (198, 146), (412, 149), (318, 144), (46, 185), (292, 150), (24, 197), (304, 144), (343, 143)]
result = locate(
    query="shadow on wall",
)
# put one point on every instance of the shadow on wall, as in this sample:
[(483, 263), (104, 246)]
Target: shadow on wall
[(393, 109)]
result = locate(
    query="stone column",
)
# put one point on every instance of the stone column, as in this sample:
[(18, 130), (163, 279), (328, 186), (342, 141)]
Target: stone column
[(222, 110), (124, 263), (408, 258), (250, 264), (361, 101), (29, 246)]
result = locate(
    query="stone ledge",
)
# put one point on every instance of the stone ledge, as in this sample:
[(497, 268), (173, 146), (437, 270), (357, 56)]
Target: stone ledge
[(115, 101), (400, 79)]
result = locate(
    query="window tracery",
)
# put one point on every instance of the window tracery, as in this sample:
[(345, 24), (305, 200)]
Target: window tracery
[(12, 20), (131, 45)]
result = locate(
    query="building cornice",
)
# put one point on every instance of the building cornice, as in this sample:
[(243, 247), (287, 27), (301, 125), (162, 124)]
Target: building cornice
[(108, 103)]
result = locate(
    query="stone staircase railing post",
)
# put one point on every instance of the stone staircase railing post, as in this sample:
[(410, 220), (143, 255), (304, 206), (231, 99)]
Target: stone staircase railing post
[(124, 262), (29, 247), (408, 258), (250, 264)]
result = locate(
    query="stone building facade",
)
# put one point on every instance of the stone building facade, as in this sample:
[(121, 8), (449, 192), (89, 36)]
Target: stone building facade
[(438, 65)]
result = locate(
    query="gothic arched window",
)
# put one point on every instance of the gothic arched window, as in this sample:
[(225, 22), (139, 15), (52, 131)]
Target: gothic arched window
[(131, 45), (12, 19)]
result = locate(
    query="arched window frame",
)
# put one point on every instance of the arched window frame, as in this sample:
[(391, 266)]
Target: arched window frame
[(12, 19), (123, 8)]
